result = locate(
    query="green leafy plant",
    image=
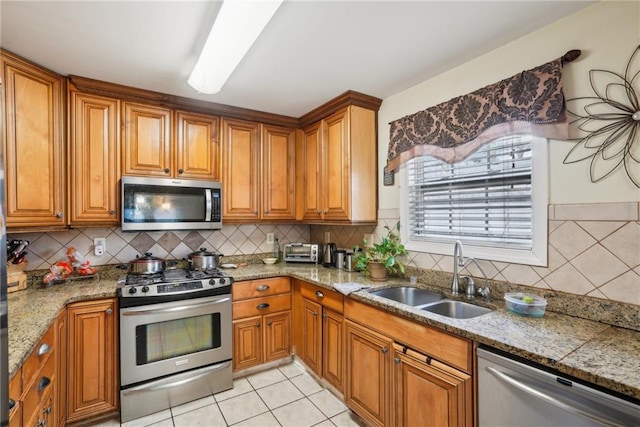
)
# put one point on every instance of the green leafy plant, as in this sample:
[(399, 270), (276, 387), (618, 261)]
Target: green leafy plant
[(385, 252)]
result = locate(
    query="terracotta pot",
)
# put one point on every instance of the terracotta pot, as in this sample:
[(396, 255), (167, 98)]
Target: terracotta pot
[(378, 271)]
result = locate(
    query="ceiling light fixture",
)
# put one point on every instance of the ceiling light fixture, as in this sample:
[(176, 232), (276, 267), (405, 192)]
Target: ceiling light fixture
[(236, 28)]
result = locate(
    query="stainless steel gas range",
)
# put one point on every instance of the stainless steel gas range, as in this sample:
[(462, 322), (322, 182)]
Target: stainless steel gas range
[(175, 339)]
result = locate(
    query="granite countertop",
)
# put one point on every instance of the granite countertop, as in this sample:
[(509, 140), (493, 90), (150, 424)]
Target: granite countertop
[(595, 352)]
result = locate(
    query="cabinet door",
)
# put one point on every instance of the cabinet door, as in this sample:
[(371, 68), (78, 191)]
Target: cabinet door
[(277, 336), (92, 385), (430, 394), (278, 173), (312, 335), (247, 342), (95, 159), (34, 144), (337, 175), (333, 348), (240, 146), (147, 140), (312, 172), (368, 373), (197, 146)]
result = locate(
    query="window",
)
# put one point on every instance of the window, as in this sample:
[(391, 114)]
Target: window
[(495, 202)]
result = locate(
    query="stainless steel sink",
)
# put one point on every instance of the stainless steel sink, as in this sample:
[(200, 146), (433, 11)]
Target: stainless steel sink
[(456, 309), (408, 295)]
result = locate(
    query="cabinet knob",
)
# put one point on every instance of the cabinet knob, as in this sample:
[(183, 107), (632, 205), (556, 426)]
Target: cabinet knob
[(108, 311), (396, 360), (167, 170), (262, 288), (318, 212), (44, 382), (180, 171), (325, 211), (257, 325), (384, 350), (319, 294), (324, 315), (112, 212), (269, 323), (58, 214), (44, 349), (12, 403), (47, 410), (315, 313), (262, 306)]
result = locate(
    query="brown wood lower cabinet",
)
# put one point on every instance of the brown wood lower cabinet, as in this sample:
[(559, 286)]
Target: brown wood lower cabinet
[(261, 321), (92, 386)]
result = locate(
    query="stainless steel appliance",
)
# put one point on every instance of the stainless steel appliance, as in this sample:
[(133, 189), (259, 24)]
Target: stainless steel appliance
[(175, 339), (170, 204), (512, 393), (329, 255), (302, 252)]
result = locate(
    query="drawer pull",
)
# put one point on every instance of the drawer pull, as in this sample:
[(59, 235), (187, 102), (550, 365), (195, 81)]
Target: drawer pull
[(44, 349), (319, 294), (384, 350), (262, 306), (44, 382), (262, 288), (47, 410)]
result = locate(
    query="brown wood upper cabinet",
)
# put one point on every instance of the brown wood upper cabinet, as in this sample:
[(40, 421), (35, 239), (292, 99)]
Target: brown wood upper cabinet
[(338, 166), (94, 153), (34, 144), (259, 171), (151, 149)]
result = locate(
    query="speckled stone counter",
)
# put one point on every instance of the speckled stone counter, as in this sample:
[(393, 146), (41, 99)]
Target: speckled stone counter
[(596, 352)]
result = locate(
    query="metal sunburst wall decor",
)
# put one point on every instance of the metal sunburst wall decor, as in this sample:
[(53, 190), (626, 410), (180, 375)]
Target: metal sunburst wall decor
[(611, 120)]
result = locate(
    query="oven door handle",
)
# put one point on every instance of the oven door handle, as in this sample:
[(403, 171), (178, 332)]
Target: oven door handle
[(145, 311), (144, 388)]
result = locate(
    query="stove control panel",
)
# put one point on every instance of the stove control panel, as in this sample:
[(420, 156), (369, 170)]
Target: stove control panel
[(173, 288)]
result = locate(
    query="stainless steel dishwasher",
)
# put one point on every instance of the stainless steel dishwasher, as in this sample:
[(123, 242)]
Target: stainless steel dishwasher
[(511, 393)]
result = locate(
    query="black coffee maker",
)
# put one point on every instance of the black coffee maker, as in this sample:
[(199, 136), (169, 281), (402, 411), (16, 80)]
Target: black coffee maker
[(329, 255)]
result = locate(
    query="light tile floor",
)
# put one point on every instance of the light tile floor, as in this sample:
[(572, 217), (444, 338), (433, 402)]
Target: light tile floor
[(284, 396)]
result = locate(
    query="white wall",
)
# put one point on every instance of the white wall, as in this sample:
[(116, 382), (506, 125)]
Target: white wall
[(607, 33)]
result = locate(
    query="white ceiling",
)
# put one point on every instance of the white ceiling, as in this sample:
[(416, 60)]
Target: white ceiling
[(310, 52)]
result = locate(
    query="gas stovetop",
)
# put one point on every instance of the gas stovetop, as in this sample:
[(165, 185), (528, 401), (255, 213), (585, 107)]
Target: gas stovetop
[(172, 282)]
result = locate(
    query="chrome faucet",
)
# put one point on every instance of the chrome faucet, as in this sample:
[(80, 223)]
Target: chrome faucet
[(459, 264)]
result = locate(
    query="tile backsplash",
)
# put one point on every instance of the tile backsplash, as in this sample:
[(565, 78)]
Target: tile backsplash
[(122, 247)]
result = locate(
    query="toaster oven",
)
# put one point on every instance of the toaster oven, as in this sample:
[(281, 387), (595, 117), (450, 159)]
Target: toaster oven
[(302, 252)]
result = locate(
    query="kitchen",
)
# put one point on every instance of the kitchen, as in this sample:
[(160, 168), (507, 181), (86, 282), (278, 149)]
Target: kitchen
[(593, 227)]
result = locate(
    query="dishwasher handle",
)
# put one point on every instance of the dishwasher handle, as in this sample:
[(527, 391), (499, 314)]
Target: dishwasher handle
[(550, 399)]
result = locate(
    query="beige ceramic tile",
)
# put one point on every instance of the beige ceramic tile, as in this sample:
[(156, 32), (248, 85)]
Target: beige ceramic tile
[(424, 260), (625, 288), (600, 229), (596, 293), (329, 404), (300, 413), (279, 394), (553, 225), (598, 212), (306, 384), (555, 261), (348, 419), (551, 212), (325, 423), (263, 420), (445, 264), (109, 423), (541, 284), (568, 279), (521, 274), (265, 378), (570, 240), (240, 386), (598, 265), (208, 416), (242, 407), (291, 370), (625, 244)]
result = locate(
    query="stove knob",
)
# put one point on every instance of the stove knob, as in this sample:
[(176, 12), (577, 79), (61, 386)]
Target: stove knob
[(145, 288), (223, 281), (212, 282), (133, 290)]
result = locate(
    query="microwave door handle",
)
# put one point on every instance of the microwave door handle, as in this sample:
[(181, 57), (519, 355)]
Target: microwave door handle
[(208, 204), (145, 311)]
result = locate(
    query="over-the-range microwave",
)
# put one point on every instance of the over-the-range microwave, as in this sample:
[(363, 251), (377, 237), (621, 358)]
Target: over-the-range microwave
[(170, 204)]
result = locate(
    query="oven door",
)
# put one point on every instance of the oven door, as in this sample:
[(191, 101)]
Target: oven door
[(163, 339)]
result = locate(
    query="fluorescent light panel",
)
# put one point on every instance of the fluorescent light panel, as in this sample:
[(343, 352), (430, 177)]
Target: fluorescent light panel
[(237, 26)]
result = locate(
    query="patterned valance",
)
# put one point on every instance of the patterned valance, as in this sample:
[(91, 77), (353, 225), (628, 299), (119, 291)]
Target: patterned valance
[(455, 129)]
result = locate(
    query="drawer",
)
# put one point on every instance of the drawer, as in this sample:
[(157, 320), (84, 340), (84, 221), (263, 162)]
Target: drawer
[(260, 306), (34, 393), (38, 356), (260, 288), (328, 298), (15, 386)]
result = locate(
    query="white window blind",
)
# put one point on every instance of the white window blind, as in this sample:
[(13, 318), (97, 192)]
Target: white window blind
[(485, 200)]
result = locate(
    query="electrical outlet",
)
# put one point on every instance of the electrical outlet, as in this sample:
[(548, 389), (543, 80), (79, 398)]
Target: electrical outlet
[(270, 238), (327, 236), (99, 245)]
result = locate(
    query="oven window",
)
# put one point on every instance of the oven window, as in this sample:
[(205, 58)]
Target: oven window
[(143, 203), (174, 338)]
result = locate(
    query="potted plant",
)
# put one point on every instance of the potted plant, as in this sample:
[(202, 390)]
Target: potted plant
[(378, 259)]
